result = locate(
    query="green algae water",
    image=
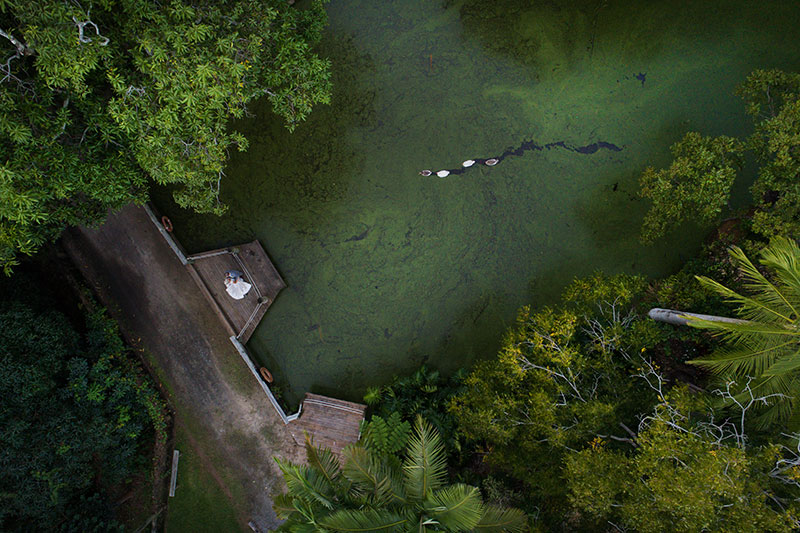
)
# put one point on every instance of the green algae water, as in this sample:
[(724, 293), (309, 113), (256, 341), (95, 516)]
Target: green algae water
[(387, 269)]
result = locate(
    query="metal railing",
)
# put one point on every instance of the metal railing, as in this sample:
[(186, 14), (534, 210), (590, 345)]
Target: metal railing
[(243, 352)]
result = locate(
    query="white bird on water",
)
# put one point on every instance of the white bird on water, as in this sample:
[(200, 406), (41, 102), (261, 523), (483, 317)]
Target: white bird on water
[(443, 173), (468, 163), (492, 162)]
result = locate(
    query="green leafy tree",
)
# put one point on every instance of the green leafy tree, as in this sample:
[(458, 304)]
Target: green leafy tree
[(765, 345), (772, 99), (379, 492), (696, 186), (561, 378), (684, 474), (73, 412), (95, 99)]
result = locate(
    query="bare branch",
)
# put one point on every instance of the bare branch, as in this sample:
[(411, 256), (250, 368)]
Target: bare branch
[(22, 49), (82, 38)]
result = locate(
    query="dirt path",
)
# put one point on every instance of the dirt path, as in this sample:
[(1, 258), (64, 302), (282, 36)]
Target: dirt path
[(150, 293)]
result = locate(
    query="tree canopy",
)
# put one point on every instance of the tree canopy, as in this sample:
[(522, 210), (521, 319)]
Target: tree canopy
[(684, 474), (74, 412), (95, 99), (697, 184), (561, 378)]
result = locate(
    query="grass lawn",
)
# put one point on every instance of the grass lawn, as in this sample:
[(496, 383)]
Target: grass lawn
[(200, 504)]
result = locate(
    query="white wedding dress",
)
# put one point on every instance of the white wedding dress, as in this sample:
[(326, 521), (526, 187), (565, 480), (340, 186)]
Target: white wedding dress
[(237, 288)]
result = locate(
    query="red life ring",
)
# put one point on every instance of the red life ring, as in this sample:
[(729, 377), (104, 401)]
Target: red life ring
[(265, 374), (167, 223)]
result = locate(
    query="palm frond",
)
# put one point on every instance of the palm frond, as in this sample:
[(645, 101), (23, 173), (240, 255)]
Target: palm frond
[(378, 520), (323, 460), (749, 308), (739, 332), (779, 412), (783, 257), (306, 483), (371, 478), (456, 507), (283, 505), (744, 360), (785, 365), (497, 519), (756, 282), (425, 462), (300, 527)]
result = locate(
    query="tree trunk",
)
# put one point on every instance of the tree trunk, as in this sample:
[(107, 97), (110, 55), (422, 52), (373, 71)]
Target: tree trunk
[(680, 318)]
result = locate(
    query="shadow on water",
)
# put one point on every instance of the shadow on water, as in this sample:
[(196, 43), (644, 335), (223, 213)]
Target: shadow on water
[(302, 172), (296, 177), (531, 33)]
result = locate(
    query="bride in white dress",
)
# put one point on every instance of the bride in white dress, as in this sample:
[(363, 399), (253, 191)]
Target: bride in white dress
[(235, 285)]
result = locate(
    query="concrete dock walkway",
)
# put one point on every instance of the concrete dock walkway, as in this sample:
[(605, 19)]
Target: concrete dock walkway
[(145, 287)]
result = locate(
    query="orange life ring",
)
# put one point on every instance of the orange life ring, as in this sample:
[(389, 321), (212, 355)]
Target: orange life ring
[(265, 374), (167, 223)]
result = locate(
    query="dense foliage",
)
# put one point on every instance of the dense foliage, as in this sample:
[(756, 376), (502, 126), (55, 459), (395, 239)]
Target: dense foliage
[(684, 473), (696, 186), (96, 98), (561, 378), (73, 415), (422, 393), (375, 491)]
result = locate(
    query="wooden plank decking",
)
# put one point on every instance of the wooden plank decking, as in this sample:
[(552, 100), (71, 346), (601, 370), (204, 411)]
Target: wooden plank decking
[(333, 423), (241, 316)]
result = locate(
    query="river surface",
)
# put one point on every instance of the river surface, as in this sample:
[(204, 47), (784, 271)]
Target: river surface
[(387, 269)]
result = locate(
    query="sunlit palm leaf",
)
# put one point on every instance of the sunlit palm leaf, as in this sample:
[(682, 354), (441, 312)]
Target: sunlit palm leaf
[(743, 360), (785, 365), (306, 483), (783, 256), (371, 478), (323, 460), (425, 462), (767, 345), (749, 308), (456, 507), (377, 520), (283, 505), (497, 519), (744, 328), (758, 284)]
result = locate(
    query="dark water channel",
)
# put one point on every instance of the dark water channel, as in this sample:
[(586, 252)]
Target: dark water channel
[(386, 268)]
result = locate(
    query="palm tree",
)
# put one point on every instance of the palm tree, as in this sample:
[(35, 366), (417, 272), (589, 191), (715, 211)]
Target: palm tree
[(374, 492), (765, 345)]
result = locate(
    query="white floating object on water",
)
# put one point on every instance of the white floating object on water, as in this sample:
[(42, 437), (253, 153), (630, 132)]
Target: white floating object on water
[(492, 162), (425, 172), (443, 173), (468, 163)]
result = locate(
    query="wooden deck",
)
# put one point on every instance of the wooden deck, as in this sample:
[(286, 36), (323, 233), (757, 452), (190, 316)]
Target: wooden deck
[(241, 317), (332, 423)]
